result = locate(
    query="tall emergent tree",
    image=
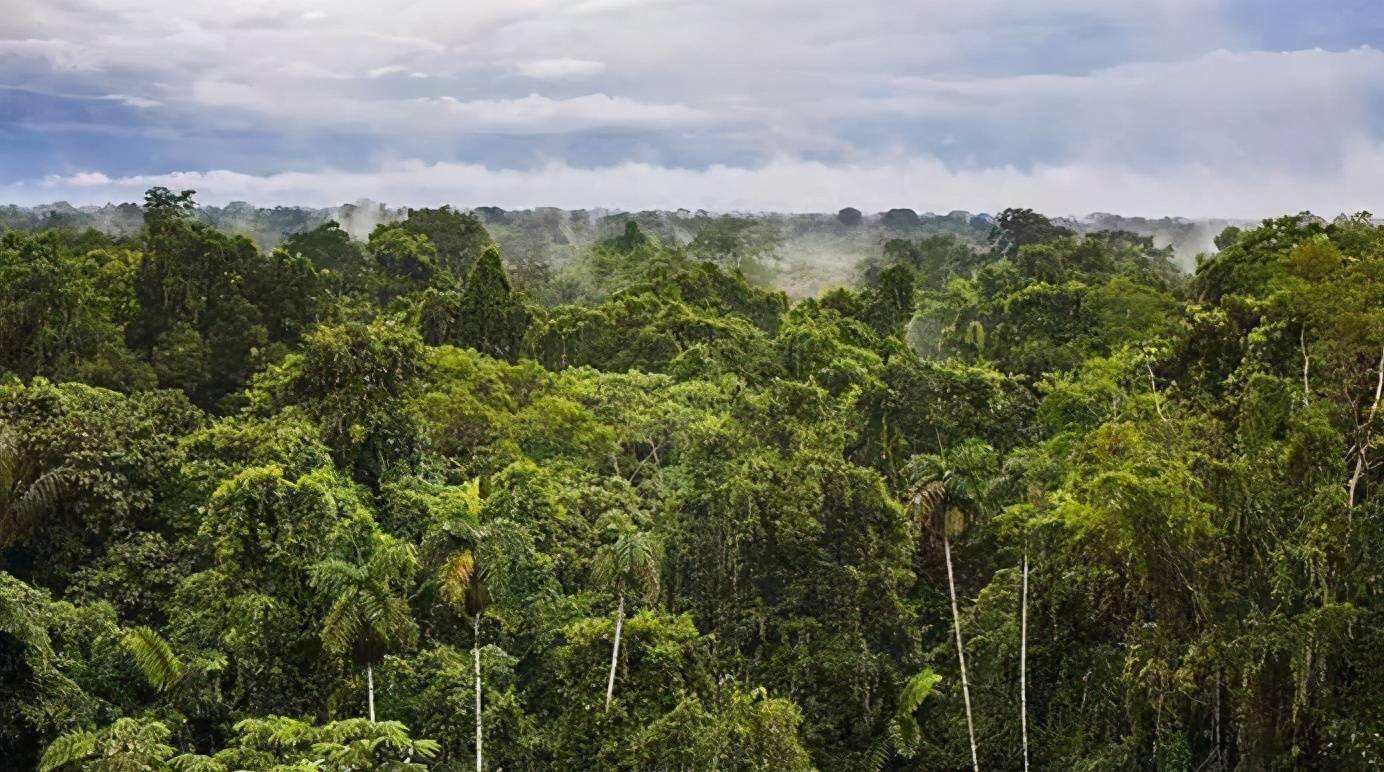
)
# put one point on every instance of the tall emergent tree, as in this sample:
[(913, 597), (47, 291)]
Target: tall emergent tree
[(472, 563), (490, 318), (369, 615), (630, 563), (946, 494)]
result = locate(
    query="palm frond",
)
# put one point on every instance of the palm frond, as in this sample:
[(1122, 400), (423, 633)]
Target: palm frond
[(340, 625), (633, 560), (454, 579), (335, 576)]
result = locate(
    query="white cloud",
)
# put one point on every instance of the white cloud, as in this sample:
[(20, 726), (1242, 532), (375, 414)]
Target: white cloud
[(540, 114), (531, 114), (389, 69), (560, 68), (131, 101), (62, 55), (783, 184)]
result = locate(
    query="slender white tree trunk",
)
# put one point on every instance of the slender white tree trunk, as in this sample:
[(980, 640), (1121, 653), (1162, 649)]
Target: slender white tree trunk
[(615, 652), (1306, 362), (1023, 659), (1364, 440), (960, 652), (476, 653), (370, 690)]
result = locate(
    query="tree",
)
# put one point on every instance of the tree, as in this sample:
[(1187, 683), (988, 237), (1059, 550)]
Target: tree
[(407, 261), (490, 317), (36, 697), (630, 563), (900, 219), (1016, 228), (849, 217), (356, 378), (161, 203), (369, 614), (459, 237), (472, 563), (945, 494)]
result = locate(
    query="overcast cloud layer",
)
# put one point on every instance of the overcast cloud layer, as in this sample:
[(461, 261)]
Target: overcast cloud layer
[(1239, 108)]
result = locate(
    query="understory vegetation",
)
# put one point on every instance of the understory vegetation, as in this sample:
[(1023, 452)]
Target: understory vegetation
[(1038, 499)]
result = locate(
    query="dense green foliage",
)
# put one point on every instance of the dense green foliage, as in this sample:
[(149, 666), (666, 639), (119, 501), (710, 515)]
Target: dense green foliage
[(348, 505)]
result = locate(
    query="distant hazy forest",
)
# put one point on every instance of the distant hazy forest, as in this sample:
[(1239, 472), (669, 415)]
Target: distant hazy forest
[(361, 488), (809, 253)]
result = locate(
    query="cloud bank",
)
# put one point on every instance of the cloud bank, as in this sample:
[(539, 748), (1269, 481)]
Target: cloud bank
[(783, 184)]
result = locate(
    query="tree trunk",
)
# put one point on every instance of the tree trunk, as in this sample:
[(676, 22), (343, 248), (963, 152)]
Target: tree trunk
[(370, 689), (960, 651), (615, 652), (1365, 435), (1306, 362), (1023, 659), (476, 653)]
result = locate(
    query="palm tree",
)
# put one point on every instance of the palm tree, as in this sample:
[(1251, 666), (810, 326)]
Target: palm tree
[(628, 564), (945, 495), (472, 564), (369, 613), (26, 489)]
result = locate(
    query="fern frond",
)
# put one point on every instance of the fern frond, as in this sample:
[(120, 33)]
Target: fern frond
[(154, 656), (67, 749), (878, 755), (914, 692)]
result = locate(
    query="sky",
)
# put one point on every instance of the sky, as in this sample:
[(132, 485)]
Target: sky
[(1197, 108)]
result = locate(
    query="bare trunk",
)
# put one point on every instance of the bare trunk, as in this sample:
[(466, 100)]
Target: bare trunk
[(1023, 659), (1153, 386), (960, 652), (476, 653), (615, 652), (1306, 362), (1364, 440), (370, 689), (1216, 721)]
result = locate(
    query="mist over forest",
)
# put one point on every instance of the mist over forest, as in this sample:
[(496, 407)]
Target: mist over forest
[(806, 253)]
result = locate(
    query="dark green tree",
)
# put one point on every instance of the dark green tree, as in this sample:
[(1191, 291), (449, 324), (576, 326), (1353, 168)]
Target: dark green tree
[(491, 318)]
